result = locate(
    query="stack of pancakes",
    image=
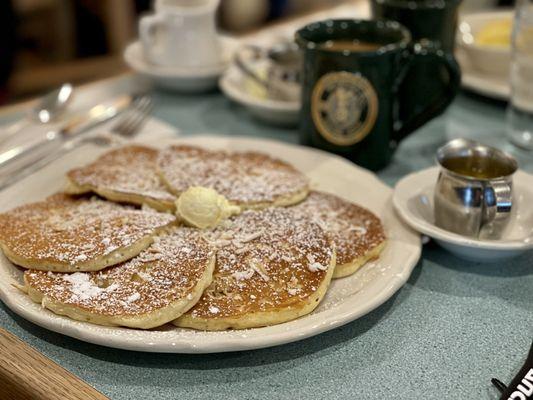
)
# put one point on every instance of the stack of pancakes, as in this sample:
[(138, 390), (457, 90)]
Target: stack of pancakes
[(110, 250)]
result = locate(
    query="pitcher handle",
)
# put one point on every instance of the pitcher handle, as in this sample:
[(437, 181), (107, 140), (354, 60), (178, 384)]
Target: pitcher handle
[(498, 201)]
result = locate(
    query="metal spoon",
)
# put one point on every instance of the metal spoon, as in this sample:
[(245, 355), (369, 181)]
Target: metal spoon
[(52, 105), (286, 60), (48, 109)]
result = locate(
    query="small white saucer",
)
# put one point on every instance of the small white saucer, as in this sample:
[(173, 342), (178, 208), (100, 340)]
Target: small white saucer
[(413, 201), (235, 85), (187, 80)]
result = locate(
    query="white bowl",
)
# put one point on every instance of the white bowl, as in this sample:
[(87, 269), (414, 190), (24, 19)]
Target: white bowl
[(482, 83), (413, 201), (186, 80), (493, 60)]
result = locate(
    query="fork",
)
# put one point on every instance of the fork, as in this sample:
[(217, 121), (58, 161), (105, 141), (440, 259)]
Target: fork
[(127, 126)]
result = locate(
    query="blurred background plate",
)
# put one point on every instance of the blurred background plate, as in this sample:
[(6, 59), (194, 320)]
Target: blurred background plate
[(187, 80), (481, 83), (240, 89)]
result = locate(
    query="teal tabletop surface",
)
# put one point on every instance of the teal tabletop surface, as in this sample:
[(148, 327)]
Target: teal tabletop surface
[(444, 335)]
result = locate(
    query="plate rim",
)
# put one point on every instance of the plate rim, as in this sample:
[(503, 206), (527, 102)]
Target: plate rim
[(477, 83), (437, 233), (341, 316)]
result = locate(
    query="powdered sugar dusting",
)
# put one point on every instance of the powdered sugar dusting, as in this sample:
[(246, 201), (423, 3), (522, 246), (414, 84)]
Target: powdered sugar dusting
[(70, 232), (243, 178), (130, 170), (81, 287), (264, 263), (354, 229), (134, 297), (246, 274), (314, 267), (137, 286)]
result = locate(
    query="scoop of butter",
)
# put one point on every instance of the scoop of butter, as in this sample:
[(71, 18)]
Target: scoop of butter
[(203, 207), (495, 33)]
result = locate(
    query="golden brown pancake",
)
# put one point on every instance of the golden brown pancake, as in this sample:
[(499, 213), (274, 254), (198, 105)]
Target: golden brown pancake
[(127, 174), (68, 234), (272, 266), (357, 233), (155, 287), (248, 179)]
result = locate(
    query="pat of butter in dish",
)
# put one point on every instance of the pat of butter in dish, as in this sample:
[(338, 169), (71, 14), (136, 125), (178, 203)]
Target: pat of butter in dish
[(496, 33), (203, 207)]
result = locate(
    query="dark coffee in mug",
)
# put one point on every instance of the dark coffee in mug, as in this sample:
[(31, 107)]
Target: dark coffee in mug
[(349, 45), (353, 82)]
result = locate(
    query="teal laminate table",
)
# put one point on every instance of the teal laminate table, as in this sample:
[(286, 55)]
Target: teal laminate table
[(444, 335)]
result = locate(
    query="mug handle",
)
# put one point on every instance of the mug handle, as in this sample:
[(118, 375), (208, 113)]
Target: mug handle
[(147, 29), (427, 49), (498, 201)]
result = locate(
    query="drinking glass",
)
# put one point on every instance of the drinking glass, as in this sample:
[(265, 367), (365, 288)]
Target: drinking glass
[(520, 108)]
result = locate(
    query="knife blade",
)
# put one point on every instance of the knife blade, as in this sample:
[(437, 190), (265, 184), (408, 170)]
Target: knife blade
[(74, 126)]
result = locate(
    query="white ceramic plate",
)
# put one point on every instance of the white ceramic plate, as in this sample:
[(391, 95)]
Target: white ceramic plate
[(285, 113), (187, 80), (279, 112), (488, 85), (413, 200), (347, 299)]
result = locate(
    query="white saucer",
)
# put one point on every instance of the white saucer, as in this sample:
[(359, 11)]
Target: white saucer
[(235, 85), (413, 201), (188, 80)]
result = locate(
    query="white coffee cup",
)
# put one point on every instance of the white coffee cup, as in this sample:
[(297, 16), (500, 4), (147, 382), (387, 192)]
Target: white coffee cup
[(181, 34)]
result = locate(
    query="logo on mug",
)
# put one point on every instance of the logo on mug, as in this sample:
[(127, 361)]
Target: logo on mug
[(344, 107)]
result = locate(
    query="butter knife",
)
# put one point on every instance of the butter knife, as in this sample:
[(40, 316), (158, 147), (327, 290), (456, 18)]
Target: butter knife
[(75, 126)]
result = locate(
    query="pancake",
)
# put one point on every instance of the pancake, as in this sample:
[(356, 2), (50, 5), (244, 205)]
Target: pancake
[(157, 286), (127, 175), (248, 179), (272, 266), (68, 234), (357, 233)]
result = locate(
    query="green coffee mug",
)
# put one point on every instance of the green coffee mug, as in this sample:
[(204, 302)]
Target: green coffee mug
[(435, 20), (353, 82)]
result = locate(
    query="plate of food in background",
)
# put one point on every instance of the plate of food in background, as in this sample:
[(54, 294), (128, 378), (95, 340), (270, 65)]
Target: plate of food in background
[(484, 52)]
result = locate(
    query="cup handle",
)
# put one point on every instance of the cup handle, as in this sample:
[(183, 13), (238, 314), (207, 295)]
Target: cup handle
[(498, 200), (147, 30), (426, 49)]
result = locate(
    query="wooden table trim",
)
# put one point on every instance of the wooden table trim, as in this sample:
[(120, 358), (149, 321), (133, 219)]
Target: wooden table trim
[(27, 374)]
